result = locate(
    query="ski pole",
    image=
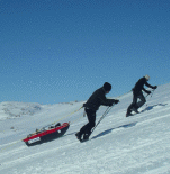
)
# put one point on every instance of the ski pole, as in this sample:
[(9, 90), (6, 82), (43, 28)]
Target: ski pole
[(103, 116), (151, 95), (152, 92)]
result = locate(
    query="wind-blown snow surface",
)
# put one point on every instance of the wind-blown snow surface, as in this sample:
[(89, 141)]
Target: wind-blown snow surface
[(119, 145)]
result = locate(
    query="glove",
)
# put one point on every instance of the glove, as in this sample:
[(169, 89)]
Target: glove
[(154, 87), (149, 92), (116, 102), (111, 104)]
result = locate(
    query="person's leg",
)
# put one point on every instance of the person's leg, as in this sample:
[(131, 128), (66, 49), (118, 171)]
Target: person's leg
[(129, 110), (92, 123), (133, 105), (138, 95), (86, 129), (142, 101)]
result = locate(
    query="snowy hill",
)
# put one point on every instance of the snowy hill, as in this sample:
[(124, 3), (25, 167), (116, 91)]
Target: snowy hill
[(119, 145), (14, 109)]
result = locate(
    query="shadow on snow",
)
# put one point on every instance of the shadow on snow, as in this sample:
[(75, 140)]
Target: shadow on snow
[(109, 130), (151, 107)]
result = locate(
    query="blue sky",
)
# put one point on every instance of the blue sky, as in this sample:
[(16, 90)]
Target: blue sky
[(56, 51)]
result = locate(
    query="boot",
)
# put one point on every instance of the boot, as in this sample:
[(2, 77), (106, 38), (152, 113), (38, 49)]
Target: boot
[(136, 110), (85, 137), (129, 114), (78, 135)]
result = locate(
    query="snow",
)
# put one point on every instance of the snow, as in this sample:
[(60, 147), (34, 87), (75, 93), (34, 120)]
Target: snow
[(119, 145)]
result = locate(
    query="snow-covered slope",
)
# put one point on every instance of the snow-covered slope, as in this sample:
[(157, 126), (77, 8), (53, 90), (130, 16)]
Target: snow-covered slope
[(119, 145), (14, 109)]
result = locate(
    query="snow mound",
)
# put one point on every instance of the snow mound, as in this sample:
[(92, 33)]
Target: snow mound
[(13, 109)]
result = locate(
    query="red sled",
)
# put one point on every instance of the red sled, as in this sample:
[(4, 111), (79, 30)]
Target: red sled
[(46, 134)]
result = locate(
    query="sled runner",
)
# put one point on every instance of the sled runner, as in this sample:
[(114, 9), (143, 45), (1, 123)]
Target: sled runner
[(46, 134)]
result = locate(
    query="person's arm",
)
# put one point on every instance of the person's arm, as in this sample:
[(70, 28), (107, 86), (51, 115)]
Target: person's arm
[(149, 86), (107, 102)]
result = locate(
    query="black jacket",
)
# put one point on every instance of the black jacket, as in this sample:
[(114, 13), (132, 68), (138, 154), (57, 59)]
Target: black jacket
[(97, 99), (139, 86)]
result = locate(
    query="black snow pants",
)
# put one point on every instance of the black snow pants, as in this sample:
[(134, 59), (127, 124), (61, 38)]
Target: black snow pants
[(136, 104), (86, 129)]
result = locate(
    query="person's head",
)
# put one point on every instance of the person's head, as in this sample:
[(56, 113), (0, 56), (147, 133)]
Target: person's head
[(107, 87), (147, 77)]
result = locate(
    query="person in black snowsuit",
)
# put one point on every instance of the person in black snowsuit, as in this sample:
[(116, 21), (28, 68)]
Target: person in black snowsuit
[(97, 99), (138, 94)]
